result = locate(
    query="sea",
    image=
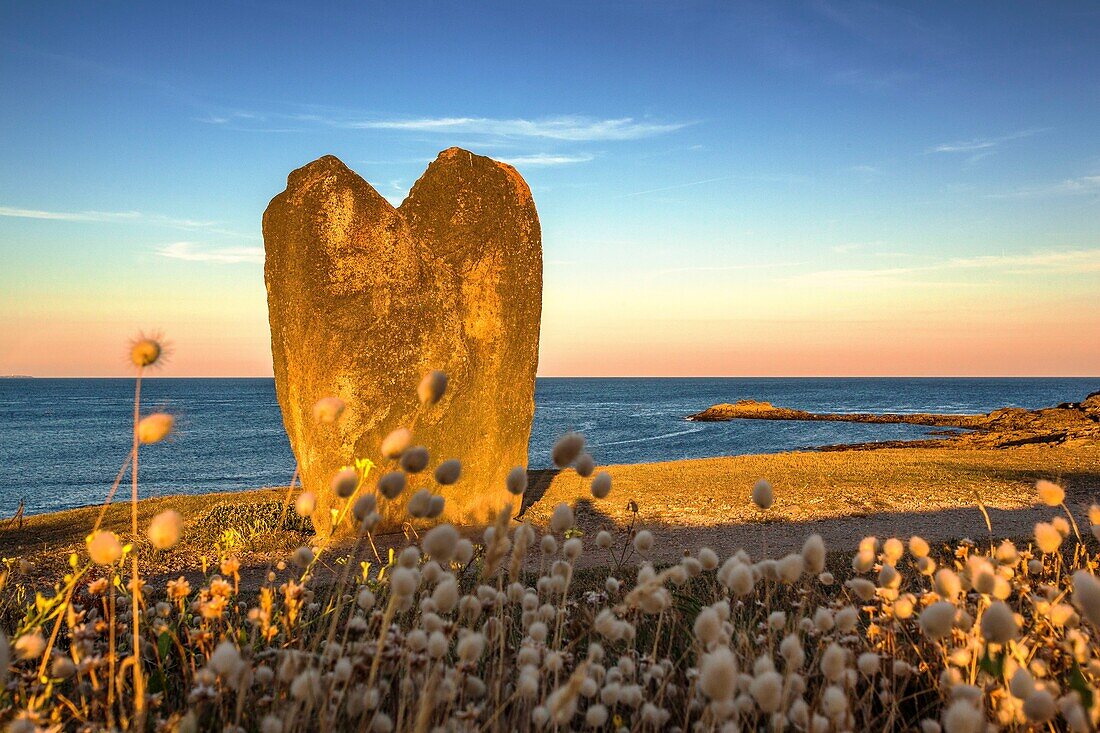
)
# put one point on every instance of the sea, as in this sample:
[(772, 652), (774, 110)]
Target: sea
[(62, 441)]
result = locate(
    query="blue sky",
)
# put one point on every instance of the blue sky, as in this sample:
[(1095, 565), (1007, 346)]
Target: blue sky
[(749, 188)]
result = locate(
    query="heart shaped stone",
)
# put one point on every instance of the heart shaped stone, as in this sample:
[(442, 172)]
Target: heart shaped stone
[(364, 299)]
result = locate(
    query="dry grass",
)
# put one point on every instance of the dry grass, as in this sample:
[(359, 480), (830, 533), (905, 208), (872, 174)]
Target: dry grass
[(587, 615)]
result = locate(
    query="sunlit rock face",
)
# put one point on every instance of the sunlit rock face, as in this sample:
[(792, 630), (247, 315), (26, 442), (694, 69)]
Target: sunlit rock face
[(364, 299)]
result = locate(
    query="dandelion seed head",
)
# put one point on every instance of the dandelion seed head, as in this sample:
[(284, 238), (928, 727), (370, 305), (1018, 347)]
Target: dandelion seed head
[(145, 351)]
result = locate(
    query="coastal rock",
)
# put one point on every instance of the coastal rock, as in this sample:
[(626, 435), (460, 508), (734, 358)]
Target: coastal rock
[(364, 299), (1006, 427)]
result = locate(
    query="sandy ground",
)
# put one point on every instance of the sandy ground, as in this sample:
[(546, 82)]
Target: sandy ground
[(841, 495), (688, 504)]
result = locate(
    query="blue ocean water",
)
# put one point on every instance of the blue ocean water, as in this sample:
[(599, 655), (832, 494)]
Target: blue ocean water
[(62, 440)]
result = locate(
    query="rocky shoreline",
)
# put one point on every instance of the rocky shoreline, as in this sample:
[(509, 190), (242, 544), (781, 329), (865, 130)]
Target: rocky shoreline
[(1070, 423)]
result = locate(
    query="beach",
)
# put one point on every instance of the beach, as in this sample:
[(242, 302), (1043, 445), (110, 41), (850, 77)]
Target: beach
[(938, 493)]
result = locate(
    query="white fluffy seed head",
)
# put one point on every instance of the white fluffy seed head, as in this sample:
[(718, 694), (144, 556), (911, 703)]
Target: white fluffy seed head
[(834, 662), (763, 495), (718, 674), (404, 582), (1039, 706), (363, 506), (643, 541), (938, 619), (155, 427), (436, 506), (918, 546), (516, 482), (104, 547), (303, 556), (962, 716), (1049, 492), (345, 482), (1086, 595), (1047, 537), (414, 459), (767, 690), (165, 529), (708, 627), (584, 465), (567, 448), (448, 472), (562, 518), (470, 647), (432, 387), (813, 553), (441, 542), (868, 663), (306, 504), (999, 624), (601, 485), (328, 410), (391, 484), (420, 503), (394, 444)]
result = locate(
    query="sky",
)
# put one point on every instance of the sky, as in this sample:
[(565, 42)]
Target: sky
[(788, 189)]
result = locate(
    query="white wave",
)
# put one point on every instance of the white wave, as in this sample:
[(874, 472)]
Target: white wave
[(651, 438)]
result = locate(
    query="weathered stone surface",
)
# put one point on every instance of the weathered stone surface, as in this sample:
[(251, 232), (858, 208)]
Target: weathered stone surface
[(364, 299)]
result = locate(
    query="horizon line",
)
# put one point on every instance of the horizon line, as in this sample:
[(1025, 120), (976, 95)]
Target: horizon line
[(14, 377)]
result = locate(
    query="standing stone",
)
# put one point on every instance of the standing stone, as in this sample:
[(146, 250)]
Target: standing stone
[(364, 299)]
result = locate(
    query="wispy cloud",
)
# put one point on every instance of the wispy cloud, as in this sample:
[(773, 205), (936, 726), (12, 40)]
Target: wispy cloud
[(982, 143), (118, 217), (573, 128), (192, 252), (1068, 187), (1067, 261), (546, 159)]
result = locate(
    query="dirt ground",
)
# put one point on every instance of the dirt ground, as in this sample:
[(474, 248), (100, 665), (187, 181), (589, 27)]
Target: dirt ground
[(842, 495)]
